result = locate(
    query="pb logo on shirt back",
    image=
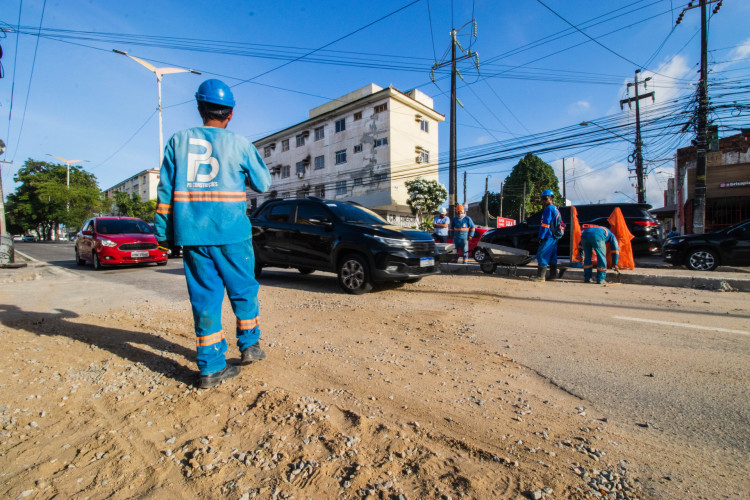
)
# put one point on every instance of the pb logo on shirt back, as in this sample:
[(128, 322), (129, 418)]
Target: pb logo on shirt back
[(195, 160)]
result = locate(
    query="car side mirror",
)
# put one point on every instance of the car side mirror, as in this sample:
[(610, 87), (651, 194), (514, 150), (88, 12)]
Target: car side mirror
[(87, 233)]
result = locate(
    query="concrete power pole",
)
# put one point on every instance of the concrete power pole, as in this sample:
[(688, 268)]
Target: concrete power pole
[(486, 201), (640, 174)]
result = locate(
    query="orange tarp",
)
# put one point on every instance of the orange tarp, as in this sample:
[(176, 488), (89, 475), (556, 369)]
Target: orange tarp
[(620, 229), (575, 244)]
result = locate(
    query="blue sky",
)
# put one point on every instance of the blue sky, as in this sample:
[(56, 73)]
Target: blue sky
[(85, 102)]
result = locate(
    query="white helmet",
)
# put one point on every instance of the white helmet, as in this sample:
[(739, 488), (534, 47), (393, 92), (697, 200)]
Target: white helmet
[(443, 211)]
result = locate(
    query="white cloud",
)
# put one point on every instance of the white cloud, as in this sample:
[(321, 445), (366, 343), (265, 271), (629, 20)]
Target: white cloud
[(483, 139), (579, 107), (742, 51)]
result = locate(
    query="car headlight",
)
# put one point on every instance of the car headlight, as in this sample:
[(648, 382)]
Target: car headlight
[(108, 243), (390, 242)]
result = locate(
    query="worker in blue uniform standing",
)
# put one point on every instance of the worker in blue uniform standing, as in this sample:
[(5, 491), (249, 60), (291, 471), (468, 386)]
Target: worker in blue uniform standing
[(463, 229), (201, 205), (546, 254), (441, 224), (596, 239)]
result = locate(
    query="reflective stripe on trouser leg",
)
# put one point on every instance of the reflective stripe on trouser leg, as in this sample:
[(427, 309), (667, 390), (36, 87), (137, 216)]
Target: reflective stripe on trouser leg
[(462, 244), (236, 264), (206, 290), (546, 254)]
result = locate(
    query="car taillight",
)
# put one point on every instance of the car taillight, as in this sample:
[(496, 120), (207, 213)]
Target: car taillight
[(644, 223)]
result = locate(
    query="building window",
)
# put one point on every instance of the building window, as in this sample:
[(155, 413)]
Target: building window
[(286, 171), (381, 107), (300, 168), (358, 148), (381, 142), (300, 140), (266, 151), (341, 157), (320, 191), (424, 157), (285, 145), (320, 162), (425, 126), (340, 125), (380, 177), (319, 133), (340, 187), (358, 181), (357, 116)]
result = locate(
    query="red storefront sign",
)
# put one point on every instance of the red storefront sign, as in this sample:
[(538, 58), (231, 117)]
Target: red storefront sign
[(503, 222)]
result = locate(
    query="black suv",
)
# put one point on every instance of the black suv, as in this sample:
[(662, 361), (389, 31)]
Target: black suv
[(340, 237), (646, 231), (706, 252)]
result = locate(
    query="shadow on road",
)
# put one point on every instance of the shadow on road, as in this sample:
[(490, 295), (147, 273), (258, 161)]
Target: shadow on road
[(127, 344)]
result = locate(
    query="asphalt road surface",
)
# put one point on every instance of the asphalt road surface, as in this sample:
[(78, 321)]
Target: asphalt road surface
[(667, 361)]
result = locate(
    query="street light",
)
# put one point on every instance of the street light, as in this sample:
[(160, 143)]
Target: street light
[(627, 196), (159, 72), (67, 166)]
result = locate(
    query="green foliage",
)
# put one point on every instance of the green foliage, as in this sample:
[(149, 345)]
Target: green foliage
[(538, 176), (425, 196), (43, 200), (132, 206)]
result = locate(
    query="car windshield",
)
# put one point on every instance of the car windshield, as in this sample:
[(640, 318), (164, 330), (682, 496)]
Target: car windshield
[(120, 226), (355, 214), (727, 229)]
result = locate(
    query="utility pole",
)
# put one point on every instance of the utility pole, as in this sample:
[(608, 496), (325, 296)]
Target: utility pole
[(564, 196), (452, 157), (640, 174), (486, 201), (523, 204), (501, 198), (465, 207)]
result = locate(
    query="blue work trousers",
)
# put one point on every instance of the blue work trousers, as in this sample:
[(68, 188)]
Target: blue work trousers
[(462, 245), (591, 244), (208, 271), (546, 254)]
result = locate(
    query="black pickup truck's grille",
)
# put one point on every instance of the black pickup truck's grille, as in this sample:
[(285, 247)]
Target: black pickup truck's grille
[(423, 247), (138, 246)]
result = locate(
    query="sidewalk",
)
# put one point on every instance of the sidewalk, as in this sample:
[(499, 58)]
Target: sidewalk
[(649, 271)]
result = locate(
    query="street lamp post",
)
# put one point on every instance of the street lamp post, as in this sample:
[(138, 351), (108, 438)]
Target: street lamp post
[(67, 167), (159, 72)]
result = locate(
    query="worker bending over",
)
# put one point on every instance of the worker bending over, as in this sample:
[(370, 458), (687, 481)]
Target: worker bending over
[(595, 239)]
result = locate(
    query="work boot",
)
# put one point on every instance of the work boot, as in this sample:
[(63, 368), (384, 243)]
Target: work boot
[(214, 379), (541, 273), (253, 353), (552, 272)]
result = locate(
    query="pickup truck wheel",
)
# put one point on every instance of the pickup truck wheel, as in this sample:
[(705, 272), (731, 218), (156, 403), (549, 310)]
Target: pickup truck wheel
[(354, 275), (702, 259), (480, 254)]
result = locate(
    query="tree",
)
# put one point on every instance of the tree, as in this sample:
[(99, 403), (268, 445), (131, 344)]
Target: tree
[(132, 206), (44, 200), (538, 176), (424, 198)]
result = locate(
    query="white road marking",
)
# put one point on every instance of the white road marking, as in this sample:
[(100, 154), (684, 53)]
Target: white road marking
[(683, 325)]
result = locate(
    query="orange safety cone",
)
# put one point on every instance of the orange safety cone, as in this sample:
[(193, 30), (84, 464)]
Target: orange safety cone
[(620, 229), (576, 253)]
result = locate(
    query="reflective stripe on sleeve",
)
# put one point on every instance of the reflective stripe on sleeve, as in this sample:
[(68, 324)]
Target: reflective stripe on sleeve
[(545, 225), (164, 208), (212, 339)]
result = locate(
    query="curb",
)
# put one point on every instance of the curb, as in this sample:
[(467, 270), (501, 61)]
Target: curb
[(628, 277)]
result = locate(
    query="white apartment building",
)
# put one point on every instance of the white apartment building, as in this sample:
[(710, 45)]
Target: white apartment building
[(360, 147), (143, 184)]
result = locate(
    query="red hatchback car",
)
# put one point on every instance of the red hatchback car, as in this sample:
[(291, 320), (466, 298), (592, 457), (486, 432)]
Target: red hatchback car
[(109, 241)]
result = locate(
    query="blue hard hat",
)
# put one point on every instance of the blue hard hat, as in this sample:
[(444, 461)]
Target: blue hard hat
[(548, 192), (215, 92)]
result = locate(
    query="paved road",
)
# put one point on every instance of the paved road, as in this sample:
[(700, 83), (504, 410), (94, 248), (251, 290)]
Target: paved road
[(674, 358)]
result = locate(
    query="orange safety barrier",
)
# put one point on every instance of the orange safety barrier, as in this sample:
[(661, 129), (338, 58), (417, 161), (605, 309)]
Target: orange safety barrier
[(620, 229), (575, 244)]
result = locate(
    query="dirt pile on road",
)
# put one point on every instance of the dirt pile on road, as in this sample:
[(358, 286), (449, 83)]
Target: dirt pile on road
[(360, 397)]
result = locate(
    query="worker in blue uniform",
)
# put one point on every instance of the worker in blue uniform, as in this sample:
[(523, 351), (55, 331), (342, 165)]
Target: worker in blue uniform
[(546, 254), (463, 229), (596, 239), (201, 205), (441, 223)]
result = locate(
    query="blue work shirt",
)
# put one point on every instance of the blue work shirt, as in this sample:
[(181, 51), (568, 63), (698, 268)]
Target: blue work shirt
[(462, 228), (442, 231), (548, 218), (598, 235), (201, 198)]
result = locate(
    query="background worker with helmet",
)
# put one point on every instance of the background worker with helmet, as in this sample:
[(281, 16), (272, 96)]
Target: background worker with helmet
[(596, 239), (441, 225), (201, 205), (463, 229), (546, 254)]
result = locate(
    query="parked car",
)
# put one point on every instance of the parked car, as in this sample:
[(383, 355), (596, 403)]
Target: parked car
[(109, 241), (706, 252), (340, 237), (30, 238), (474, 240), (17, 237), (646, 231)]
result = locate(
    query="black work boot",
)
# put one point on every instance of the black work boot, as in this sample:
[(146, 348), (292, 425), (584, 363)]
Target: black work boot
[(253, 353), (541, 274), (214, 379), (552, 272)]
